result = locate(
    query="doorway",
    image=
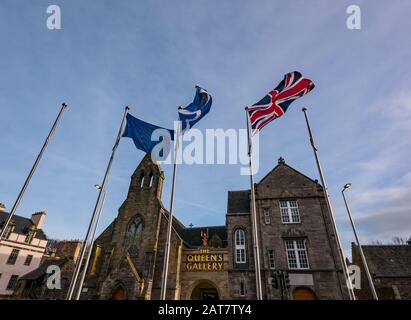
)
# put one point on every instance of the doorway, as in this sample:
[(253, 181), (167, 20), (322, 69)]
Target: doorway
[(302, 293), (205, 290), (119, 294)]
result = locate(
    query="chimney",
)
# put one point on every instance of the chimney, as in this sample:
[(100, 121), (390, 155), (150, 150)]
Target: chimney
[(38, 219), (2, 207)]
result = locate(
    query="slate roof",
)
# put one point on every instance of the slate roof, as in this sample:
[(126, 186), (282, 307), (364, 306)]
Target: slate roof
[(389, 260), (192, 236), (42, 269), (238, 201), (22, 225)]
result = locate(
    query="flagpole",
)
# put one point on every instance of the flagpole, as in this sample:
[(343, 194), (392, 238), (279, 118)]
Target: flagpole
[(170, 221), (327, 200), (95, 211), (33, 169), (254, 218), (83, 275), (364, 261)]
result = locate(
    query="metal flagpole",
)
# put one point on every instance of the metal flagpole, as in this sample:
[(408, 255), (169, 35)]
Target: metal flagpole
[(93, 216), (254, 218), (170, 221), (327, 200), (83, 275), (364, 261), (33, 169)]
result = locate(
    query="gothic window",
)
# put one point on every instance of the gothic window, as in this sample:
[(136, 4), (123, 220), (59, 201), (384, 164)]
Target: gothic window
[(150, 181), (239, 238), (141, 180), (134, 232)]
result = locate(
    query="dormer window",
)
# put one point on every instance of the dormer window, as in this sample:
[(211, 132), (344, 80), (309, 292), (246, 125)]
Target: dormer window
[(30, 235), (9, 229)]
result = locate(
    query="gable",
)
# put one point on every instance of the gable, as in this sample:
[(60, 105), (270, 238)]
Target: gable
[(284, 181)]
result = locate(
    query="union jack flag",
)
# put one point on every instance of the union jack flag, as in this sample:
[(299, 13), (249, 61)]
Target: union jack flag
[(276, 102)]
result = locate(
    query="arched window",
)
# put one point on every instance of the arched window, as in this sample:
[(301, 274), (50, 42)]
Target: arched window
[(141, 179), (239, 238), (150, 181), (134, 233)]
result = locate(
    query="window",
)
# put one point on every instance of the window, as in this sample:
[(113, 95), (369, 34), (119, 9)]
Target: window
[(266, 213), (289, 212), (150, 183), (8, 231), (13, 256), (297, 254), (28, 260), (134, 235), (271, 260), (240, 246), (242, 288), (29, 237), (12, 282), (141, 180)]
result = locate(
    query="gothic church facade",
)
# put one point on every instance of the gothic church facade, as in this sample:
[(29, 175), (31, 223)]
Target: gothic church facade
[(216, 262)]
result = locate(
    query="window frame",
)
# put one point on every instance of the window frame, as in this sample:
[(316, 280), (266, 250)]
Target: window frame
[(289, 214), (242, 290), (240, 246), (271, 259), (31, 234), (266, 215), (28, 260), (297, 254), (14, 283), (14, 254)]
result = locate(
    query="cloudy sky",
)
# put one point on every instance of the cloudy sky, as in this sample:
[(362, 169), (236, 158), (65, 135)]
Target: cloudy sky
[(150, 54)]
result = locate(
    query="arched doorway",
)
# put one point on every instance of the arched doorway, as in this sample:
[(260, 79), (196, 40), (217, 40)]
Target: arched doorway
[(302, 293), (204, 290), (119, 294)]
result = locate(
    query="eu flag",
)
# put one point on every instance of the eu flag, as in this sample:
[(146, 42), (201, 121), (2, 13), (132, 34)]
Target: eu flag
[(141, 132), (200, 106)]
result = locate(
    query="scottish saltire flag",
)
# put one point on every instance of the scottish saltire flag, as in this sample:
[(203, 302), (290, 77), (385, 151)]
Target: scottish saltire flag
[(277, 101), (200, 106), (141, 133)]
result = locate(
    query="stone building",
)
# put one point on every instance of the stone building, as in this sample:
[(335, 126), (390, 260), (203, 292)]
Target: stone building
[(21, 249), (216, 262), (390, 268), (58, 262)]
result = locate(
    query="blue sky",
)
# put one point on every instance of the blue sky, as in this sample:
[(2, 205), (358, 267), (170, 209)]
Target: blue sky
[(150, 54)]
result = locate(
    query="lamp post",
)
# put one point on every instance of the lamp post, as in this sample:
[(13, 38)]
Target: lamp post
[(364, 261)]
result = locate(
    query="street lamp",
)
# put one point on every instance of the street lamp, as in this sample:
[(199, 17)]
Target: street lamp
[(364, 261)]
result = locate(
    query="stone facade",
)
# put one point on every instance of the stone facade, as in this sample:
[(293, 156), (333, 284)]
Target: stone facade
[(127, 260)]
